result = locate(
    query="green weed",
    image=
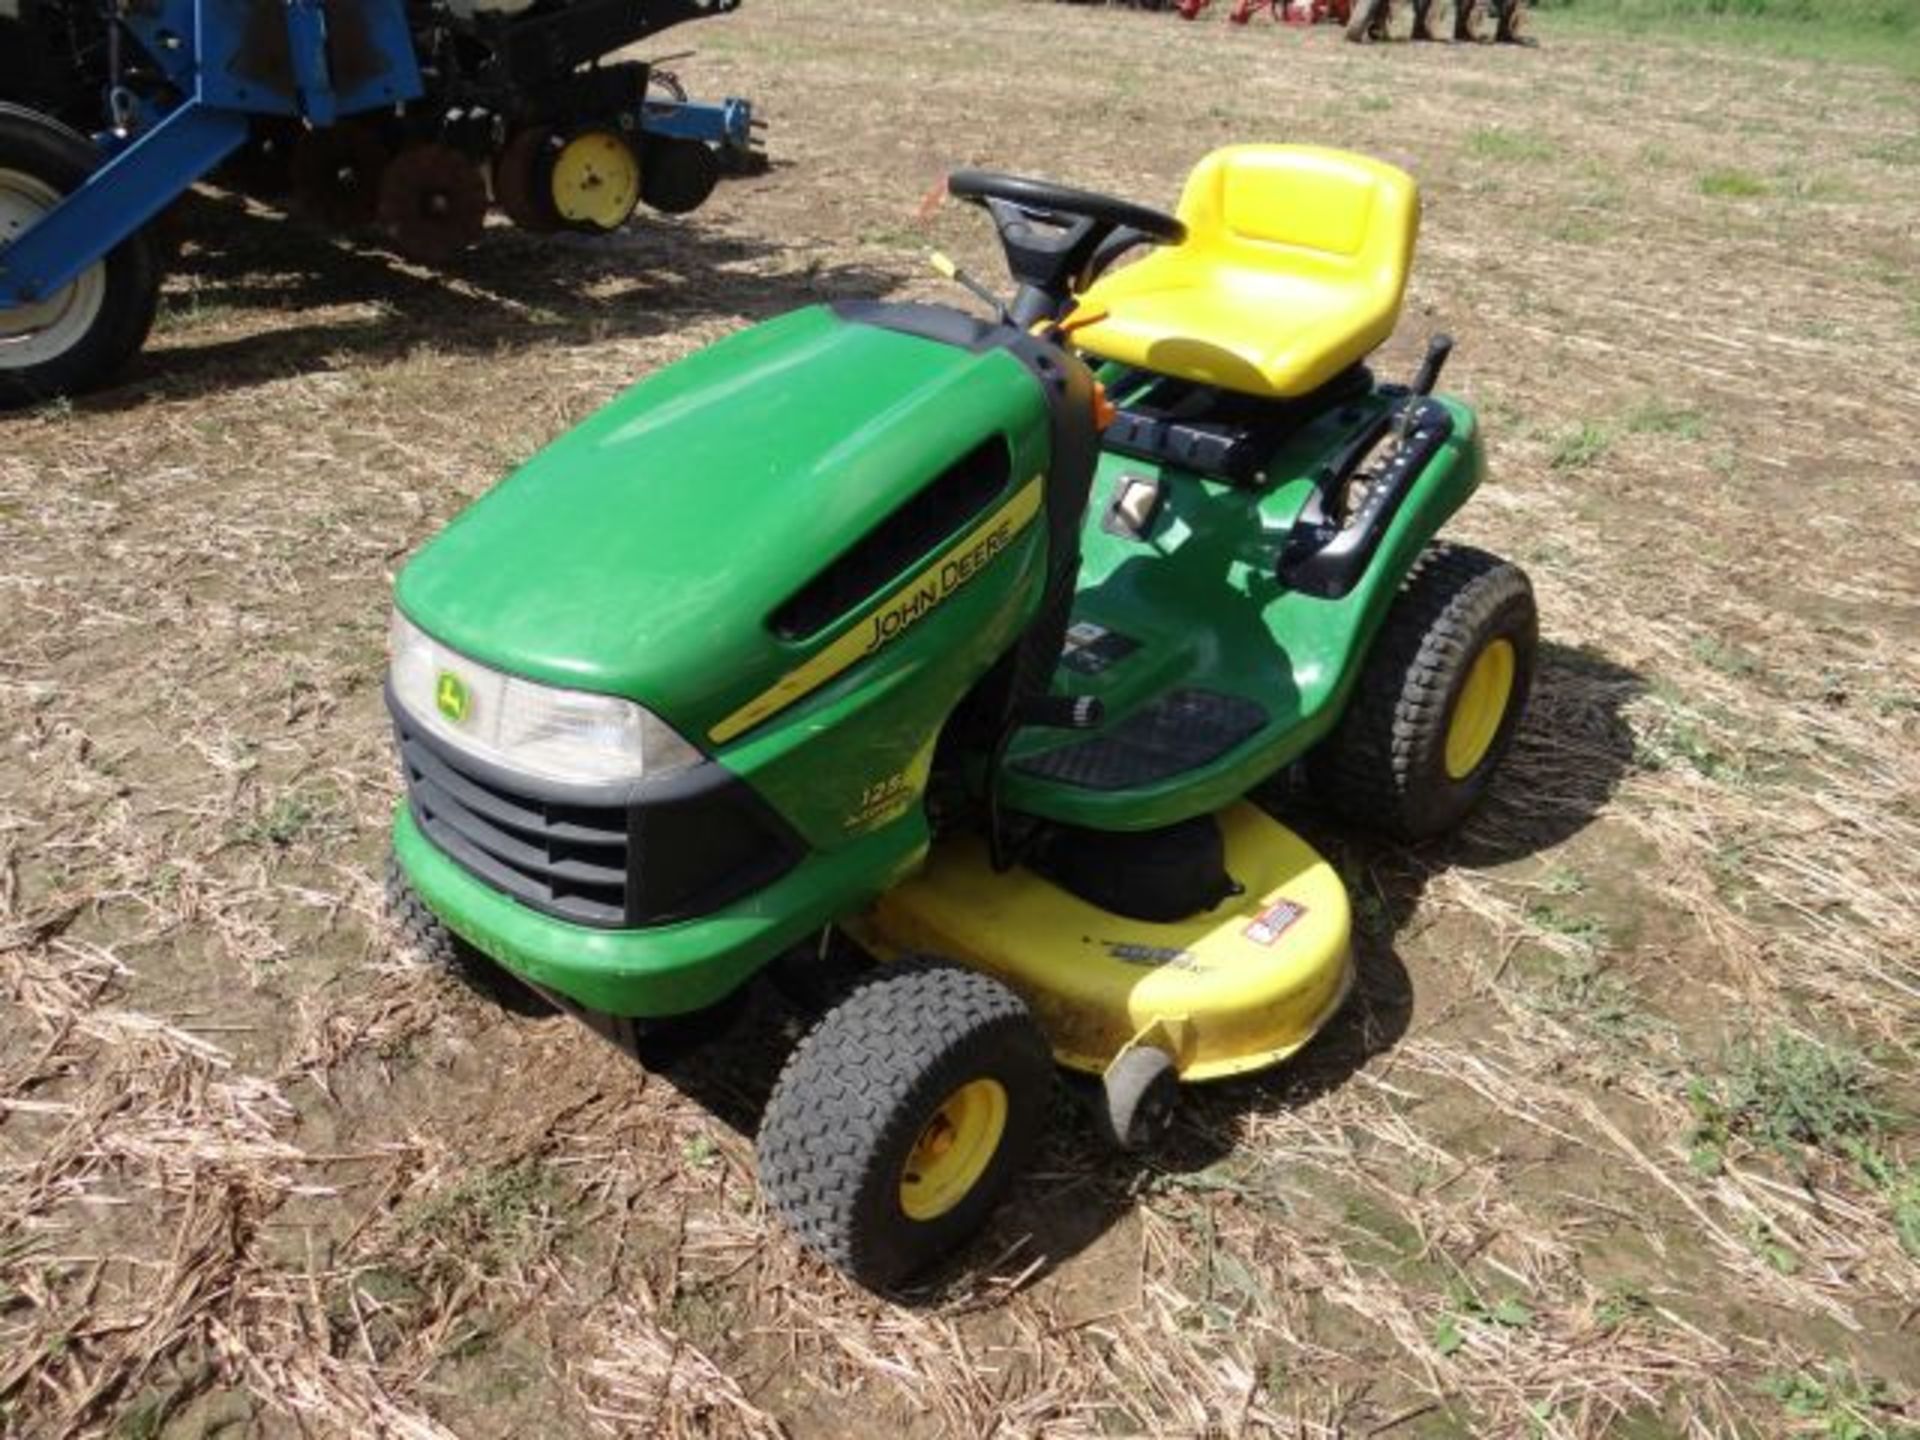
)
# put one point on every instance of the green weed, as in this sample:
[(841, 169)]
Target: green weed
[(1450, 1332), (494, 1219), (1498, 143), (1654, 416), (297, 814), (1843, 1404), (1594, 998), (1679, 740), (1727, 658), (1732, 185), (1788, 1094), (1580, 448)]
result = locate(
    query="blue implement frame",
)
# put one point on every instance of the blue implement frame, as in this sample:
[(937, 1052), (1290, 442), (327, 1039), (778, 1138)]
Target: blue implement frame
[(728, 124), (225, 58)]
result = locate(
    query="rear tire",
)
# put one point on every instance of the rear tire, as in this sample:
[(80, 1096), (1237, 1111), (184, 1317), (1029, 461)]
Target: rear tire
[(1443, 691), (86, 331), (902, 1117)]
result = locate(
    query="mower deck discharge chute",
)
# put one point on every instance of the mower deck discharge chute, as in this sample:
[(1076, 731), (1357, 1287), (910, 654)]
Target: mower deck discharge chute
[(968, 638)]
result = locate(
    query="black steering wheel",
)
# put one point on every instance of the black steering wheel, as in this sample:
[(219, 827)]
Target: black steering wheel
[(1056, 238)]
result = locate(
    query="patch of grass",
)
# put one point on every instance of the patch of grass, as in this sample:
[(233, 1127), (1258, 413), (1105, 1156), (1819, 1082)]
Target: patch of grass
[(1768, 1245), (1594, 998), (1587, 931), (493, 1220), (1678, 739), (1725, 657), (1577, 230), (1902, 150), (1655, 416), (1580, 448), (1728, 184), (1451, 1331), (1788, 1094), (1793, 1095), (1865, 32), (1495, 142), (1841, 1403), (190, 312), (1622, 1306), (297, 814)]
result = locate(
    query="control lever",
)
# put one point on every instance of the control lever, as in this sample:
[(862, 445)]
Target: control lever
[(1438, 349), (945, 266)]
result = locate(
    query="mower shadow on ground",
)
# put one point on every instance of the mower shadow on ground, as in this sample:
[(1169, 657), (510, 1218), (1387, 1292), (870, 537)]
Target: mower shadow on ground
[(512, 291), (1077, 1188), (1569, 757), (1565, 766)]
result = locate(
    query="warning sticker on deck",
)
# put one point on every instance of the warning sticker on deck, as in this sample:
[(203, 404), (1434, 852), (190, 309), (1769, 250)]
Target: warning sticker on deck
[(1270, 924)]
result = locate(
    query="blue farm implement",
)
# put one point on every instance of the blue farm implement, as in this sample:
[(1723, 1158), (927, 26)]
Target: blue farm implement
[(414, 116)]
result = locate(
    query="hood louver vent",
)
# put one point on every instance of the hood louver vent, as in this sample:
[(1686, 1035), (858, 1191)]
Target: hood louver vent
[(912, 533)]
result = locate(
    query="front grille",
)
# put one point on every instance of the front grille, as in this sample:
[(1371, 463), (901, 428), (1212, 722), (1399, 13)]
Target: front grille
[(568, 860)]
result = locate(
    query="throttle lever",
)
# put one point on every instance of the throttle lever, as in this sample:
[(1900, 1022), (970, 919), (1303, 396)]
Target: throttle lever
[(1438, 349)]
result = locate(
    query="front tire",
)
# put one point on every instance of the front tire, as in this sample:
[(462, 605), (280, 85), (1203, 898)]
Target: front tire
[(1443, 691), (79, 336), (901, 1118)]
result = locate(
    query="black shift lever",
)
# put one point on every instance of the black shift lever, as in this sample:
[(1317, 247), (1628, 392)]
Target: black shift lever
[(1438, 349)]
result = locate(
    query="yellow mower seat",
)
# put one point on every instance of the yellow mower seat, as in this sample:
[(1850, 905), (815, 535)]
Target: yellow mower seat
[(1293, 269)]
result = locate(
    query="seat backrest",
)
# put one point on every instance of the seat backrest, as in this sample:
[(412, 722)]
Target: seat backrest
[(1307, 212)]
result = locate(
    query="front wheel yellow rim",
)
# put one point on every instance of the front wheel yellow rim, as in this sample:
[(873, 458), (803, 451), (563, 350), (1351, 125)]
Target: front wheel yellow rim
[(954, 1149), (596, 180), (1481, 708)]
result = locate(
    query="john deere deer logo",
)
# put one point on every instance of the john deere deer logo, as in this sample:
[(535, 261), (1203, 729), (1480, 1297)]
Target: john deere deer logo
[(452, 696)]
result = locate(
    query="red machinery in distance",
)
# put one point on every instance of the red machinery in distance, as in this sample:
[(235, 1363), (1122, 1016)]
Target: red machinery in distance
[(1291, 12)]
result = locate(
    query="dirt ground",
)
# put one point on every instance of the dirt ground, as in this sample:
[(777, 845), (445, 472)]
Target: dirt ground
[(1617, 1137)]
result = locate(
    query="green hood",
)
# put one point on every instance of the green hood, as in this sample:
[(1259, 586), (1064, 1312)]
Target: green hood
[(641, 553)]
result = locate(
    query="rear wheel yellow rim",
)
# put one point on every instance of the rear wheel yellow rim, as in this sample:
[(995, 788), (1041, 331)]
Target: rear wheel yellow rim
[(1480, 709), (596, 180), (954, 1149)]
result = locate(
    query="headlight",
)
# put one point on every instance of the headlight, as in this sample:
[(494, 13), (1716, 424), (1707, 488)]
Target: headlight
[(567, 735)]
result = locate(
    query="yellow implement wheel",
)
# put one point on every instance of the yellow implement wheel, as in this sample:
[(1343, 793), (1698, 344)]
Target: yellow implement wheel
[(952, 1152), (595, 181), (1480, 709)]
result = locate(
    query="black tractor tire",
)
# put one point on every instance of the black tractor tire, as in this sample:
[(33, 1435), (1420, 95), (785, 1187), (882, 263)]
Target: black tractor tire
[(860, 1096), (121, 292), (1386, 765)]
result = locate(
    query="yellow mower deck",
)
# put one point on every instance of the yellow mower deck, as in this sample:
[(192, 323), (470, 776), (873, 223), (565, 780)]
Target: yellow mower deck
[(1233, 990)]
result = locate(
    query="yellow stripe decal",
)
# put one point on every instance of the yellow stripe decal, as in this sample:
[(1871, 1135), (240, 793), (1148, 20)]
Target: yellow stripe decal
[(896, 615)]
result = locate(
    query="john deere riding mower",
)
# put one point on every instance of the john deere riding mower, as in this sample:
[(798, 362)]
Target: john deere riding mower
[(964, 639)]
